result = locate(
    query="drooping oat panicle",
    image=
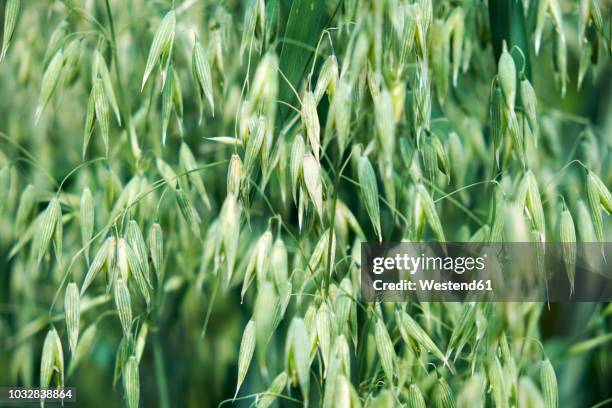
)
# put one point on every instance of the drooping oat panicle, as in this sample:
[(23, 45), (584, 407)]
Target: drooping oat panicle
[(245, 355), (131, 382), (87, 219), (202, 76), (11, 13), (369, 191), (567, 235), (124, 306), (269, 396), (49, 83), (156, 249), (415, 397), (548, 382), (310, 118), (161, 47), (188, 161), (73, 314), (312, 180)]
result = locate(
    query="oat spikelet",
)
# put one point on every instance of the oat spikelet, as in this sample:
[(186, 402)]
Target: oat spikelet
[(161, 47), (72, 311), (11, 13), (548, 382), (369, 190), (245, 355)]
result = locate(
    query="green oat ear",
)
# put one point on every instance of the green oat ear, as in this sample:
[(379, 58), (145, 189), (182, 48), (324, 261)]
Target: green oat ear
[(200, 69), (313, 182), (567, 235), (49, 83), (298, 354), (161, 47), (188, 162), (11, 14), (247, 347), (385, 350), (123, 303), (415, 398), (131, 382), (548, 382), (369, 191), (73, 314), (310, 118)]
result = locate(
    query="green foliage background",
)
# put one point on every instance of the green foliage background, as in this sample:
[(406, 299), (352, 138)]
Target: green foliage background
[(184, 365)]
